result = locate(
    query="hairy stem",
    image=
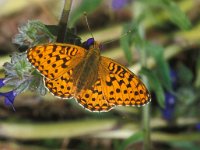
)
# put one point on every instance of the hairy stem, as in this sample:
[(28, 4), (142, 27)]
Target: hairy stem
[(62, 27)]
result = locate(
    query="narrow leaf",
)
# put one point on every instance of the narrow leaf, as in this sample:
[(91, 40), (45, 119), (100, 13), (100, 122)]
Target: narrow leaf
[(155, 86), (162, 67), (126, 41), (176, 15), (185, 75), (138, 136)]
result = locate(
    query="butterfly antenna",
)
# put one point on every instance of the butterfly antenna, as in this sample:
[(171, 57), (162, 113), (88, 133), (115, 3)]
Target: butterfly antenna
[(100, 114), (86, 20), (122, 36)]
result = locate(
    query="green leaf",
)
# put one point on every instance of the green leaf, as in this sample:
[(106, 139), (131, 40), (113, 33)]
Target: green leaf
[(24, 85), (126, 41), (197, 80), (176, 15), (40, 87), (85, 6), (185, 75), (185, 145), (138, 136), (186, 95), (162, 67), (155, 86), (37, 84), (132, 37)]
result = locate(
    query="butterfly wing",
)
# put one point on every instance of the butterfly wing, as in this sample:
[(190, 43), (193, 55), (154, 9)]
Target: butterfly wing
[(116, 85), (53, 60), (61, 87), (93, 99), (120, 85)]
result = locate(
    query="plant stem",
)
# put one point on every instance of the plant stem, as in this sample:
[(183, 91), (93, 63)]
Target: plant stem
[(146, 127), (66, 129), (62, 27), (138, 10)]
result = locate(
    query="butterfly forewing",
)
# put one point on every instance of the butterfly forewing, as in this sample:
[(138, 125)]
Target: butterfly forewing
[(53, 60)]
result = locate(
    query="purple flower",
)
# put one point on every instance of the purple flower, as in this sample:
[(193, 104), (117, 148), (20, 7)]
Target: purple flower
[(118, 4), (168, 111), (174, 77), (9, 98), (167, 114), (198, 126), (2, 82)]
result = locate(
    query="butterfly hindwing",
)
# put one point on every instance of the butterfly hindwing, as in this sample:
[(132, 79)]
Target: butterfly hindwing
[(93, 99), (61, 87)]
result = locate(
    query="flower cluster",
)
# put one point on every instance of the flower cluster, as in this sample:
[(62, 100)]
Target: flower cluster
[(33, 33), (19, 73)]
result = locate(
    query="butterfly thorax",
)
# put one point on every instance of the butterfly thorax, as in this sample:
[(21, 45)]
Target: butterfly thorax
[(86, 72)]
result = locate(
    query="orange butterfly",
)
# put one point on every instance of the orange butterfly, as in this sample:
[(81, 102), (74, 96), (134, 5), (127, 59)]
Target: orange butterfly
[(98, 83)]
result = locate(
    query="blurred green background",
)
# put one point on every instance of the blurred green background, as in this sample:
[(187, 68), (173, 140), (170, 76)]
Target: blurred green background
[(162, 47)]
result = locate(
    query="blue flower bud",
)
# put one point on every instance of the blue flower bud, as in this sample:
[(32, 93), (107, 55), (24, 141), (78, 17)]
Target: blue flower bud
[(118, 4), (168, 111), (2, 82), (9, 98)]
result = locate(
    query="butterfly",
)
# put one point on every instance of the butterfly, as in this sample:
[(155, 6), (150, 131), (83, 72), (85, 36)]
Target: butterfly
[(97, 83)]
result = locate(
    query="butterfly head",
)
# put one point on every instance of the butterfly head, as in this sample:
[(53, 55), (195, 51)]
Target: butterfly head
[(91, 43)]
